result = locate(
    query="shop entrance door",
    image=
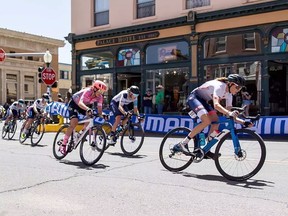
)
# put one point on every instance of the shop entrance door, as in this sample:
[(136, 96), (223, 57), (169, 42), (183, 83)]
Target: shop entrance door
[(125, 80), (278, 88)]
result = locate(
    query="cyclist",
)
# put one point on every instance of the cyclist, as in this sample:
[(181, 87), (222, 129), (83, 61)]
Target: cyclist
[(15, 110), (214, 91), (38, 107), (79, 105), (119, 106)]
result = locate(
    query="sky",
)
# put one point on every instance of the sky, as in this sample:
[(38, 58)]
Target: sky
[(48, 18)]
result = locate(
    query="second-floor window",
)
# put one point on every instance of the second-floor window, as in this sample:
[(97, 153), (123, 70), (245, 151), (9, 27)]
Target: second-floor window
[(196, 3), (145, 8), (249, 41), (101, 12), (64, 74), (221, 44)]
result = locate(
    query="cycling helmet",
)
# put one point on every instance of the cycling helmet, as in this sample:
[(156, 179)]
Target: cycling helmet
[(134, 89), (237, 79), (45, 96), (21, 101), (100, 85)]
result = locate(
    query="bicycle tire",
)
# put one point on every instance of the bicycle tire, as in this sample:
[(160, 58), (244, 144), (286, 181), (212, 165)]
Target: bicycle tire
[(175, 161), (4, 131), (37, 132), (132, 139), (92, 145), (246, 163), (22, 140), (107, 127), (12, 129), (58, 140)]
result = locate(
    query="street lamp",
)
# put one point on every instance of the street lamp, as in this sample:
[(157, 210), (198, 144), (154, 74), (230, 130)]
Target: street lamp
[(47, 58)]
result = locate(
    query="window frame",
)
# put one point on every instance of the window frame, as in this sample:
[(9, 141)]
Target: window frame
[(187, 2), (148, 3), (100, 12), (247, 39), (219, 43)]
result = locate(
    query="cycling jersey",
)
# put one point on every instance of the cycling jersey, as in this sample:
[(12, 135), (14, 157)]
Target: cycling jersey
[(15, 108), (87, 96), (199, 98), (214, 88), (123, 99), (38, 106)]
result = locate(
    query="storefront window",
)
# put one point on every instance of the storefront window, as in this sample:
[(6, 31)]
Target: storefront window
[(233, 45), (279, 40), (99, 60), (11, 88), (29, 88), (128, 57), (175, 83), (87, 80), (170, 52), (251, 71)]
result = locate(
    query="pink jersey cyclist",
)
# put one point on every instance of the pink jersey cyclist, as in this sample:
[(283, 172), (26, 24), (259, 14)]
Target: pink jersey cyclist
[(79, 104)]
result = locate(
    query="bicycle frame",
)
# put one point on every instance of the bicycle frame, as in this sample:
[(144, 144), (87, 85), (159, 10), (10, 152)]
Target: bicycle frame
[(88, 127), (231, 128)]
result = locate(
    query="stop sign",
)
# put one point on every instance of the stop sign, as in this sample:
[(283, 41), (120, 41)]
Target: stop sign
[(2, 55), (48, 76)]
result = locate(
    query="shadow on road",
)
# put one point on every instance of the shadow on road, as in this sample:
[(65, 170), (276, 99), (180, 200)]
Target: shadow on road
[(250, 183), (80, 165), (126, 156)]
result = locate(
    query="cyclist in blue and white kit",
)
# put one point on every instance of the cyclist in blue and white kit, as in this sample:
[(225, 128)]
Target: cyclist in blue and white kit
[(214, 91), (119, 106), (37, 108), (15, 110)]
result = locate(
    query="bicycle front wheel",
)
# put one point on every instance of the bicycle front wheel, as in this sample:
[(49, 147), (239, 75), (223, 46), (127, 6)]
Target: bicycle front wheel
[(12, 129), (171, 159), (58, 140), (132, 139), (37, 133), (247, 161), (22, 138), (92, 146), (4, 131)]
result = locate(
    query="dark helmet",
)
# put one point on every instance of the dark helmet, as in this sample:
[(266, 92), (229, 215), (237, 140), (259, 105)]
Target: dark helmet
[(59, 95), (21, 101), (237, 79), (45, 96), (134, 89)]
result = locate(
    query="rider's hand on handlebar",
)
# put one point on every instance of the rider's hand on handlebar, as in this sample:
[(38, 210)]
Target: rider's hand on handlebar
[(89, 112), (248, 124), (129, 113), (233, 114)]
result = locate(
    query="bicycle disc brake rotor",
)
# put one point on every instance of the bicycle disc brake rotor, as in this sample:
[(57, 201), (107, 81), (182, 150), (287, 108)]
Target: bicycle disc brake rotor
[(242, 154)]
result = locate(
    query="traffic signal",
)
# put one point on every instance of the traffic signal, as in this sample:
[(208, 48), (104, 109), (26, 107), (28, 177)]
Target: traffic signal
[(55, 84), (40, 69)]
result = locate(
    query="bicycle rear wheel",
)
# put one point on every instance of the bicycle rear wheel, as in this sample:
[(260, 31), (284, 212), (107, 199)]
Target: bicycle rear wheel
[(12, 129), (132, 139), (58, 141), (170, 159), (107, 127), (92, 145), (37, 132), (249, 159)]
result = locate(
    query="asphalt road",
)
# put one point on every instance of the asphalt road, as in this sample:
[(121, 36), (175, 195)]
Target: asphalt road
[(33, 182)]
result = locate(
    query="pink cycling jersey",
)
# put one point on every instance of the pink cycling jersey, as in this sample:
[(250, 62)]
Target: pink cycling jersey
[(87, 96)]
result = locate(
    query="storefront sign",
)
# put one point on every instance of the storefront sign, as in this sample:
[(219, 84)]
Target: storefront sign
[(125, 39)]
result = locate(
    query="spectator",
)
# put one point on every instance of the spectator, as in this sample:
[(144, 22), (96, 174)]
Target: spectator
[(246, 101), (159, 100), (147, 101)]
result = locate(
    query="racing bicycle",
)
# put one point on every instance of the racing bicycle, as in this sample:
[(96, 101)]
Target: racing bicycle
[(132, 134), (240, 152), (92, 141), (35, 131), (10, 129)]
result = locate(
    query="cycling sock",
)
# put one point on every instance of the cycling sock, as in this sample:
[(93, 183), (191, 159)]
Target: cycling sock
[(65, 140), (186, 140)]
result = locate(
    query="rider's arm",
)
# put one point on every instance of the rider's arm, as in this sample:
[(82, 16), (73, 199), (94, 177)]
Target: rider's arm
[(120, 107), (135, 108), (81, 103)]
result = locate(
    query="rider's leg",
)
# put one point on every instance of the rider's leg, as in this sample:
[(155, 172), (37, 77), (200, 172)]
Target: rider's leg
[(73, 124)]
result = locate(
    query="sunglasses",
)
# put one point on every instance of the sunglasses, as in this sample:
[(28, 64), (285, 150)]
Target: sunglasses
[(99, 90), (135, 95), (238, 88)]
